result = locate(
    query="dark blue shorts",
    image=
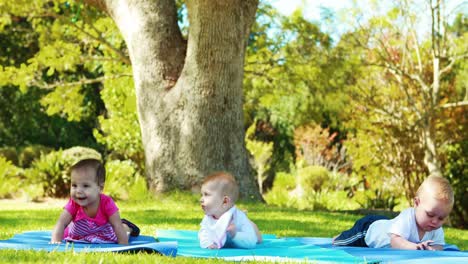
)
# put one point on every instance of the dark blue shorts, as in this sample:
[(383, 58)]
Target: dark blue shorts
[(355, 237)]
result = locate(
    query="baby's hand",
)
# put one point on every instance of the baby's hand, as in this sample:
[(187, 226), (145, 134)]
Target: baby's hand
[(231, 229), (55, 242), (425, 245), (213, 246)]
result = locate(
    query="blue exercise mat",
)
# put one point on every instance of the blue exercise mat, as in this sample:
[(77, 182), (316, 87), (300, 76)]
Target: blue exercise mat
[(451, 253), (39, 240), (272, 248)]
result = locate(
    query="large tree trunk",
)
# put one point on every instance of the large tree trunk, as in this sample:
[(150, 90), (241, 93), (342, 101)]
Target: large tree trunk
[(189, 94)]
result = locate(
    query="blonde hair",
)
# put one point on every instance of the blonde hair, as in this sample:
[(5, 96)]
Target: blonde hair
[(225, 182), (440, 186)]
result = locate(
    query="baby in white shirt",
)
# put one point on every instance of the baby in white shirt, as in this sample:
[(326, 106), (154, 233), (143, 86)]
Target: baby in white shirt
[(418, 227), (223, 224)]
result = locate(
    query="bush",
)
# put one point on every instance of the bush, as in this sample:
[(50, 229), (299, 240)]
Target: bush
[(279, 194), (261, 153), (10, 178), (51, 172), (123, 182), (379, 198), (72, 155), (317, 146), (331, 200), (456, 171), (31, 153), (313, 188), (312, 178), (9, 154)]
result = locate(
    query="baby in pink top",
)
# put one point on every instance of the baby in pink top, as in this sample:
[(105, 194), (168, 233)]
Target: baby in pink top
[(89, 215)]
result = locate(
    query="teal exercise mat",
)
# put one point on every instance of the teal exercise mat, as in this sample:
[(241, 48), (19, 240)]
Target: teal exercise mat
[(451, 253), (272, 249), (39, 240)]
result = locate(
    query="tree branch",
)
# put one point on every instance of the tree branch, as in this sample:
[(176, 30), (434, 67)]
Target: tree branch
[(456, 104), (452, 62), (48, 86), (102, 40)]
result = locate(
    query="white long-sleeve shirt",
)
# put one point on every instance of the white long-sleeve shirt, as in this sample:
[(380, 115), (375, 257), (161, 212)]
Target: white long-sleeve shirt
[(213, 231), (404, 225)]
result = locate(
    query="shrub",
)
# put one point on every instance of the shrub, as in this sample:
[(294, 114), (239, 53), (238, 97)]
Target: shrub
[(312, 187), (332, 200), (377, 199), (261, 152), (318, 147), (279, 194), (312, 178), (51, 171), (9, 153), (10, 178), (456, 171), (123, 181), (73, 155), (31, 153)]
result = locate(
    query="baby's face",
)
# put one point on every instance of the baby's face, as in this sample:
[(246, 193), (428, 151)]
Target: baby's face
[(84, 189), (212, 201), (431, 213)]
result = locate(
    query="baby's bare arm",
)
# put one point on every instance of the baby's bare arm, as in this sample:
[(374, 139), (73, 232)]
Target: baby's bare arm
[(397, 241), (57, 234), (116, 222), (257, 232)]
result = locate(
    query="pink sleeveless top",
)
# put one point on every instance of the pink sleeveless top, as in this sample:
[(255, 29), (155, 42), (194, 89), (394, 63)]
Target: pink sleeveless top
[(91, 230)]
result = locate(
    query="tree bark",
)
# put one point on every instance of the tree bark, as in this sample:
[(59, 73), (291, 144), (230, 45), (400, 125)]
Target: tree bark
[(189, 94)]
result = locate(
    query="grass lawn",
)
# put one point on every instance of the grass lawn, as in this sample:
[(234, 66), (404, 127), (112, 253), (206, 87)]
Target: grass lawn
[(175, 211)]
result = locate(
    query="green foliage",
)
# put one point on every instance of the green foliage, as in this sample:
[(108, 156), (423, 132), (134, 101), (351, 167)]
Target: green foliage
[(119, 129), (9, 154), (31, 153), (23, 122), (139, 189), (403, 95), (312, 178), (329, 201), (57, 57), (280, 192), (50, 171), (374, 186), (261, 152), (73, 155), (288, 80), (377, 199), (312, 188), (319, 189), (457, 173), (73, 112), (10, 179), (124, 182)]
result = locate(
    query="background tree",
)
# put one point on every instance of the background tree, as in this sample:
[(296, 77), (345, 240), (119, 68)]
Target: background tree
[(22, 119), (408, 102), (293, 77), (189, 93)]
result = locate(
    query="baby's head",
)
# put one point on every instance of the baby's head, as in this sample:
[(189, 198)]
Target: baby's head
[(433, 203), (92, 168), (87, 182), (219, 193)]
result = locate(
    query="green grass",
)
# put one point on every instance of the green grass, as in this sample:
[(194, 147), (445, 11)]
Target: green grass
[(175, 211)]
